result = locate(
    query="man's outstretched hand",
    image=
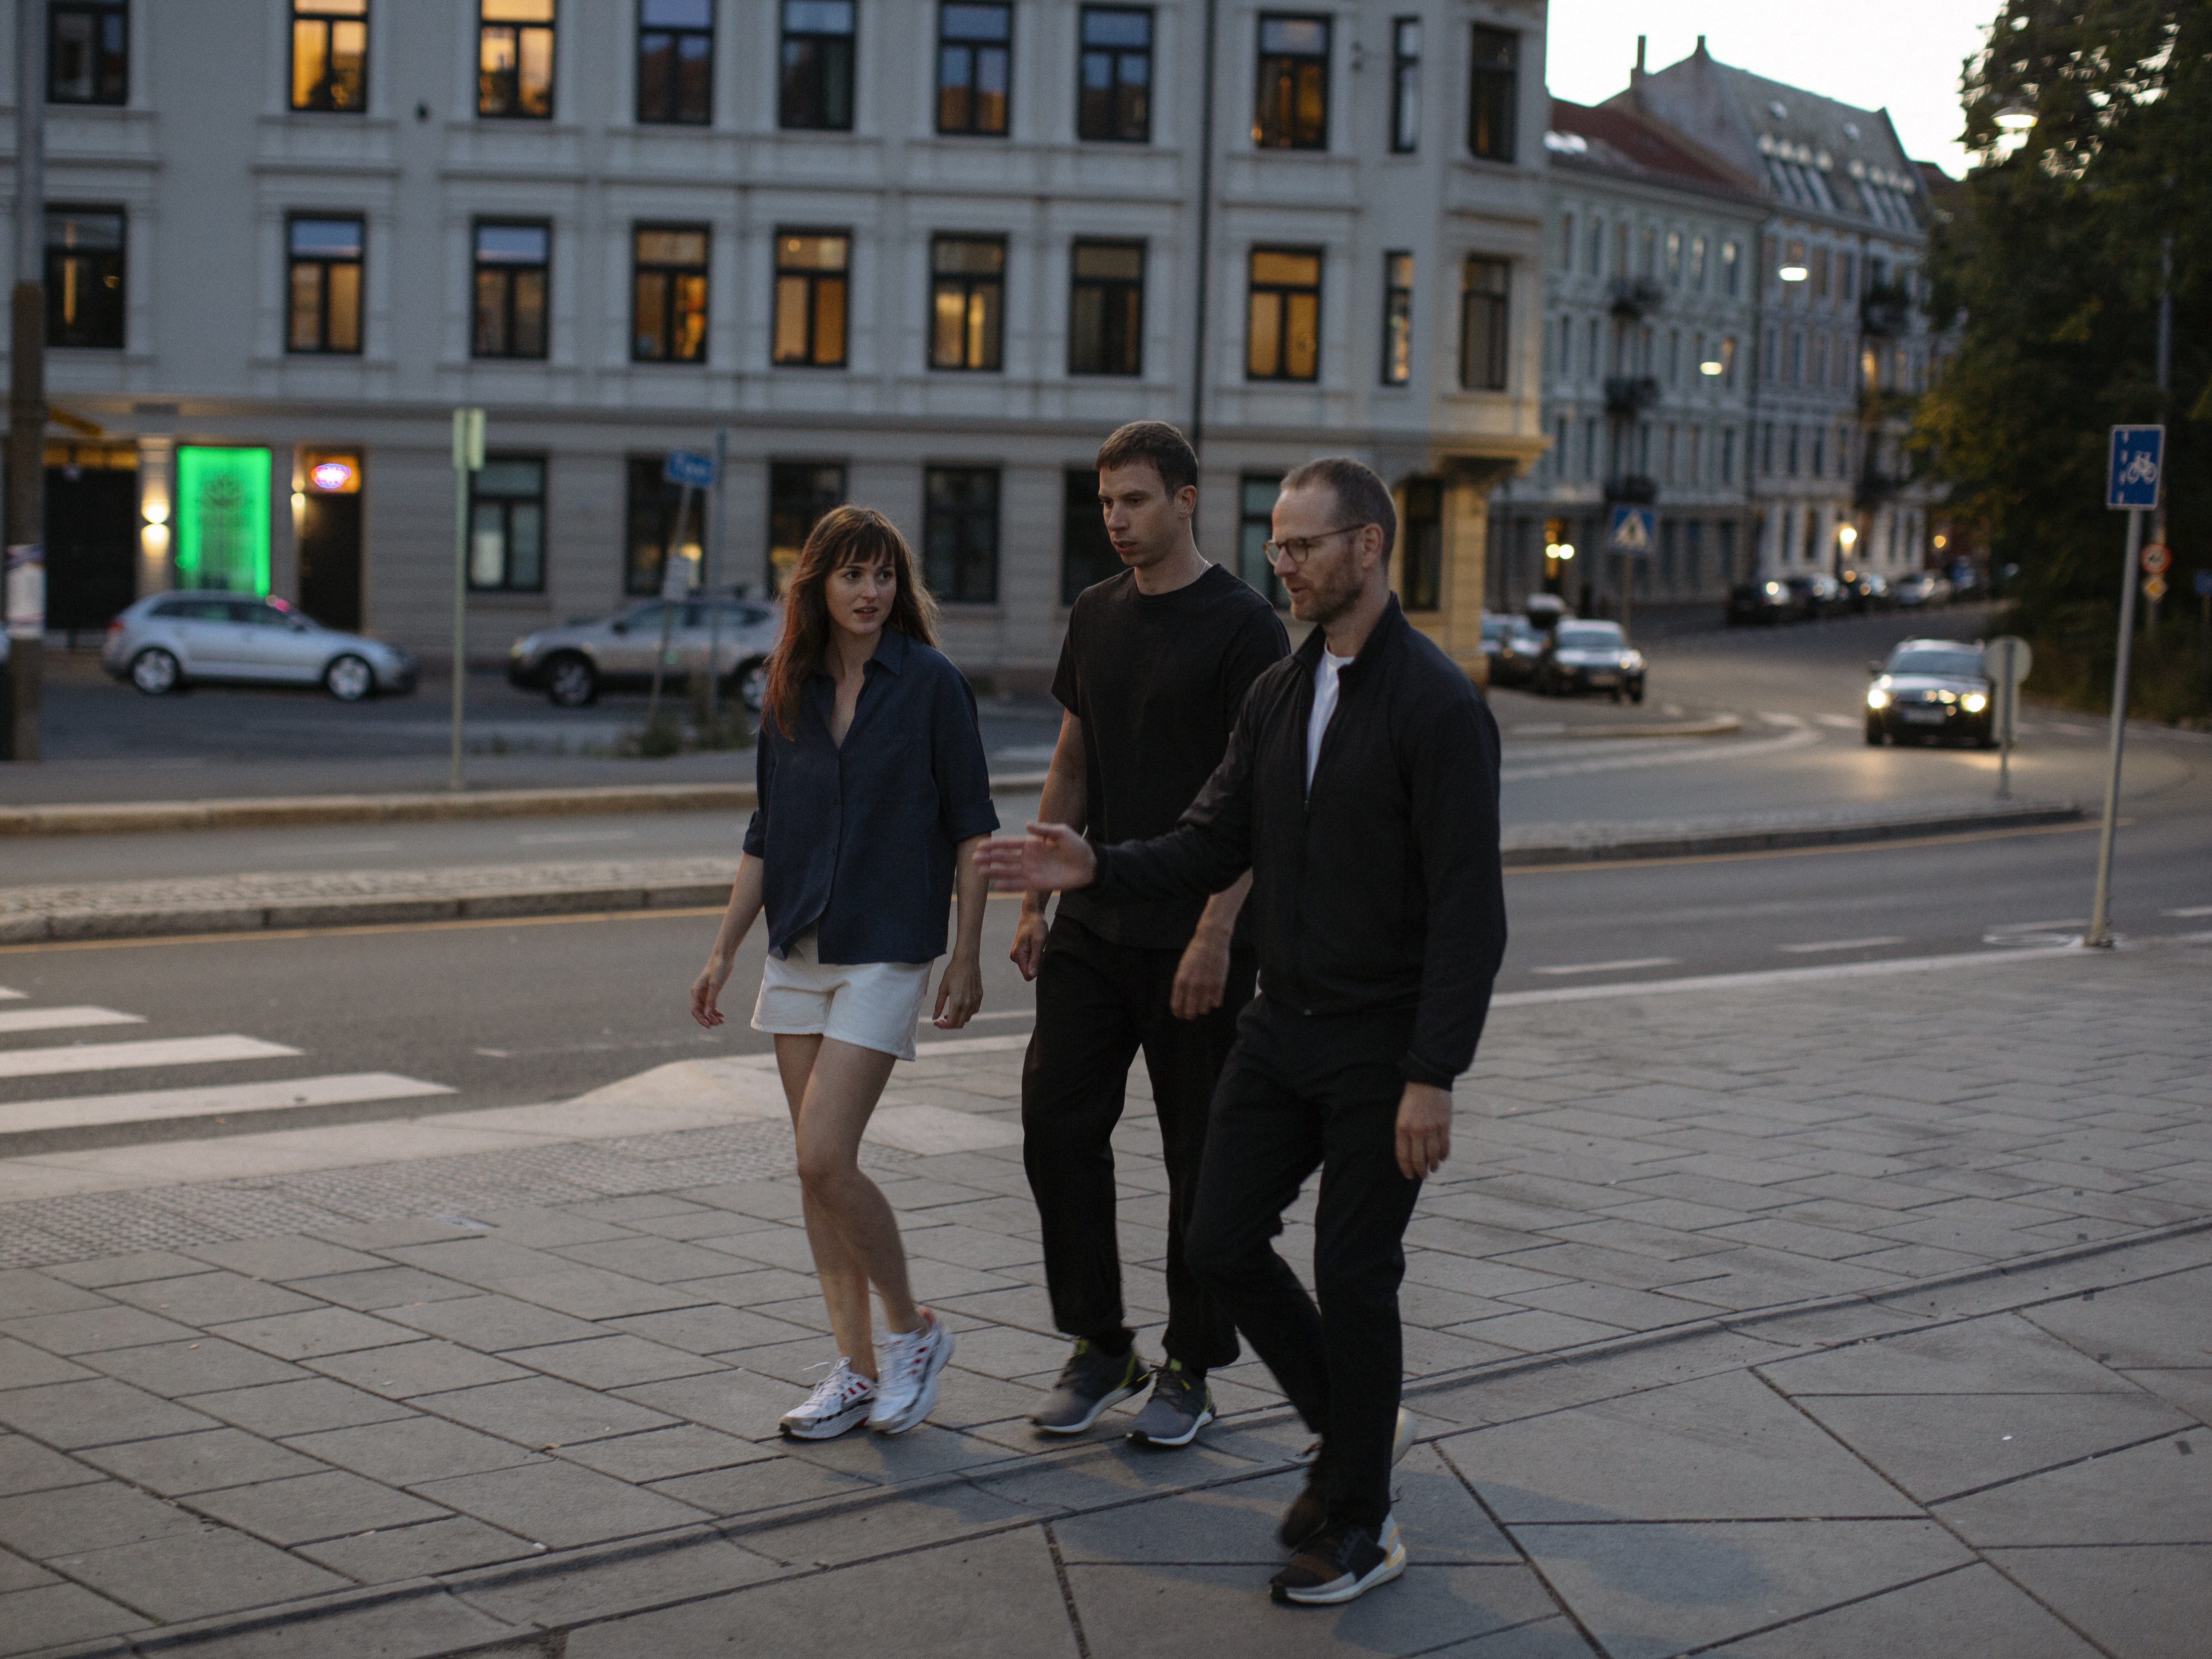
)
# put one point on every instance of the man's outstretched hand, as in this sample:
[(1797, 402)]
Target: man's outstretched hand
[(1051, 857)]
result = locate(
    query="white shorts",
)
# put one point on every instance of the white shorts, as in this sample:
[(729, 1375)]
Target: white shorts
[(870, 1004)]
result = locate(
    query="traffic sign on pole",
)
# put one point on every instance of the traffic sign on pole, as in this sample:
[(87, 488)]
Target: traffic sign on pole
[(1634, 531), (2156, 560), (2155, 589), (2204, 583), (2007, 660), (690, 469), (2131, 481)]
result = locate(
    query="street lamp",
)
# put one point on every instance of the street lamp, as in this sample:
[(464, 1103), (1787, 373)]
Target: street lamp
[(2015, 116), (1849, 536), (1712, 366), (1792, 273)]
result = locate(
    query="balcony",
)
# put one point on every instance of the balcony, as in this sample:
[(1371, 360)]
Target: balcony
[(1627, 396), (1633, 488), (1887, 311), (1875, 487), (1637, 297)]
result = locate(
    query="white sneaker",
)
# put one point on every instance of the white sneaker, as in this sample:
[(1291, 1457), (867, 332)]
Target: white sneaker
[(906, 1375), (840, 1402)]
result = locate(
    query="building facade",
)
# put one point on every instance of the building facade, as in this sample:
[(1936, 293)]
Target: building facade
[(916, 254)]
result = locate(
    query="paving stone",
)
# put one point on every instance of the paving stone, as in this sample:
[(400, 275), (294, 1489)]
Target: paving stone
[(46, 1524), (200, 1365), (593, 1583), (278, 1409), (294, 1255), (493, 1324), (412, 1450), (323, 1331), (1938, 1445), (2002, 1354), (741, 1402), (49, 1616), (1974, 1610), (657, 1261), (986, 1598), (557, 1503), (543, 1410), (772, 1483), (95, 1414), (386, 1555), (190, 1575), (2190, 1391), (2161, 1322), (613, 1362), (16, 1573), (208, 1297), (407, 1368), (26, 1466), (372, 1290), (104, 1270), (663, 1453), (2145, 1603), (927, 1448), (899, 1523), (712, 1328), (307, 1507), (533, 1275), (2151, 1494), (22, 1367), (92, 1329), (180, 1463)]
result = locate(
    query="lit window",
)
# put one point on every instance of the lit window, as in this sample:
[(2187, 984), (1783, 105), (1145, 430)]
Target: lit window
[(810, 293), (668, 294), (967, 302), (514, 58), (1283, 315), (1291, 106), (329, 55), (1398, 318)]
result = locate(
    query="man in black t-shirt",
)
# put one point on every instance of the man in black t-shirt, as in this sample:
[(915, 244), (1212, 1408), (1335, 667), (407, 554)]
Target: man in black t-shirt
[(1154, 668)]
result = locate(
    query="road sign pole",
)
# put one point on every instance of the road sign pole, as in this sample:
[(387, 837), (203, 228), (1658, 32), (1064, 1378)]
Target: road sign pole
[(711, 575), (2100, 930), (671, 595), (2008, 711), (468, 461)]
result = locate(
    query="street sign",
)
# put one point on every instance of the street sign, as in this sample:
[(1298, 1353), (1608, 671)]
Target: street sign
[(2204, 583), (2008, 659), (2155, 560), (1634, 531), (687, 467), (2132, 479), (2155, 589), (27, 591)]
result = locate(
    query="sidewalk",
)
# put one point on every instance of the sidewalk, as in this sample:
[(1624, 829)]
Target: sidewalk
[(1857, 1316)]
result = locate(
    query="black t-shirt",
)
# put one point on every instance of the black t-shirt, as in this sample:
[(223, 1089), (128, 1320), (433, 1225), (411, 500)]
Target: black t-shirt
[(1157, 680)]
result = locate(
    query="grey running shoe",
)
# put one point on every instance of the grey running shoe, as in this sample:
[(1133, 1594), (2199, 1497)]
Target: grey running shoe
[(1180, 1407), (1089, 1383), (1342, 1564), (1308, 1511)]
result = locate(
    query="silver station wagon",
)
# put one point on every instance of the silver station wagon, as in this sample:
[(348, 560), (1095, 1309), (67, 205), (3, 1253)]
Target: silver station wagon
[(572, 664), (168, 641)]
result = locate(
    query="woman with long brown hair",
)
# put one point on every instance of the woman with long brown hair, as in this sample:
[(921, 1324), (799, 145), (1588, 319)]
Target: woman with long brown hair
[(873, 801)]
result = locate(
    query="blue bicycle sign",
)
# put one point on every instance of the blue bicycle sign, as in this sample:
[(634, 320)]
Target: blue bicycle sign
[(2132, 480)]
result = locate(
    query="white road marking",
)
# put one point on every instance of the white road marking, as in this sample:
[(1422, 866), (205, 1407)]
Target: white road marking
[(1840, 722), (1621, 966), (577, 837), (2192, 910), (116, 1056), (1663, 751), (1766, 976), (2039, 927), (1841, 945), (7, 995), (1781, 719), (57, 1019), (150, 1104)]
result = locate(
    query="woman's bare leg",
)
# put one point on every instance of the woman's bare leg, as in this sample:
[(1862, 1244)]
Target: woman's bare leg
[(832, 1088)]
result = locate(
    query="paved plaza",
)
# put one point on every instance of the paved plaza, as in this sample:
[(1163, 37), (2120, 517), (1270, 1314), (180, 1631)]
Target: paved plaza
[(1861, 1314)]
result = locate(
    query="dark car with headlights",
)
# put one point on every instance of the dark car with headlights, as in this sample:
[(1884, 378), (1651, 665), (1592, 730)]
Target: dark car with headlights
[(1930, 691), (1590, 656), (1520, 648), (1766, 603), (1867, 590), (1818, 594)]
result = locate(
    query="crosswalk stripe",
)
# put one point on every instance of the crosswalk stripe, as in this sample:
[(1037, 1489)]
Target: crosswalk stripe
[(7, 995), (1782, 719), (57, 1019), (1841, 722), (116, 1056), (19, 1116)]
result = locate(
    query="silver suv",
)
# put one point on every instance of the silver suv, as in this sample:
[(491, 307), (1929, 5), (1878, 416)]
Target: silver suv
[(572, 664), (168, 641)]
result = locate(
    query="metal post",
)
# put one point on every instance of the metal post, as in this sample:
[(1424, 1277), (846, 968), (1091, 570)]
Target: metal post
[(1627, 591), (2101, 931), (671, 595), (713, 570), (468, 460), (26, 390), (2007, 712)]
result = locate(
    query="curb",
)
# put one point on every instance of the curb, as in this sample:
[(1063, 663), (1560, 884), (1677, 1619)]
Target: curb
[(1723, 726), (1701, 844), (133, 818)]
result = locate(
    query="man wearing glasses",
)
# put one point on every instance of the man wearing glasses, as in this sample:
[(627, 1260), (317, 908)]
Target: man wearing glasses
[(1360, 789)]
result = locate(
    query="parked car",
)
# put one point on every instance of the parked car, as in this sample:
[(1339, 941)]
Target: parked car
[(1818, 594), (1766, 603), (1923, 590), (1935, 690), (1518, 652), (1590, 656), (572, 664), (1546, 611), (1867, 590), (166, 641), (1493, 635)]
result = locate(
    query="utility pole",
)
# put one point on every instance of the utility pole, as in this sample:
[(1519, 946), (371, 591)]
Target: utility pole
[(468, 461), (27, 393)]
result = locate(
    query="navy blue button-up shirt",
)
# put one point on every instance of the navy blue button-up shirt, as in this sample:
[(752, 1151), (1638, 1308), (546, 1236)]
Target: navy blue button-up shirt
[(858, 841)]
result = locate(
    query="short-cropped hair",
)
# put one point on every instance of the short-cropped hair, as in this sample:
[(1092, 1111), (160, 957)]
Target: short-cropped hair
[(1155, 441), (1362, 497)]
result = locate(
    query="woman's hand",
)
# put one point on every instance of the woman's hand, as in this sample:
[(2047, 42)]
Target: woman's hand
[(707, 991), (960, 992)]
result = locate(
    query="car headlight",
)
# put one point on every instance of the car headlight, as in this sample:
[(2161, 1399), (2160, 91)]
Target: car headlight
[(1975, 703), (1877, 698)]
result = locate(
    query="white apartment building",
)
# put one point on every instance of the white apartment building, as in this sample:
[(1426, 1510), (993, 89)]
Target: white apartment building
[(922, 254), (1649, 248)]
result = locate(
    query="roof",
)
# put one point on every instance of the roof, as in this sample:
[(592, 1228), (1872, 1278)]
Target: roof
[(1629, 144)]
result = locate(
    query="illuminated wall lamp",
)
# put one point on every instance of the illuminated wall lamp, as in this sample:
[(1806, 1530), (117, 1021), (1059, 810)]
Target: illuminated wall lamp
[(156, 511), (1792, 273), (1712, 366), (1560, 550)]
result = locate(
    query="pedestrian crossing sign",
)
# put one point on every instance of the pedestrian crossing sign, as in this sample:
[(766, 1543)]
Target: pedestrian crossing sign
[(1634, 531)]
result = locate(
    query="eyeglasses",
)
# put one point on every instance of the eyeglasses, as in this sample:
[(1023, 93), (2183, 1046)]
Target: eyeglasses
[(1299, 549)]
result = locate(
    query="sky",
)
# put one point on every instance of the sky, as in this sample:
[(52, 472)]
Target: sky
[(1902, 54)]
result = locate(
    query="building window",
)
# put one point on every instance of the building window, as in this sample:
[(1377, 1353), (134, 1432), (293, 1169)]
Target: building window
[(1106, 309), (1282, 332), (1398, 318), (329, 56), (1406, 93), (1492, 99), (799, 494), (324, 286), (960, 533), (1114, 79), (1256, 524), (514, 58), (974, 53), (817, 86), (1482, 355), (511, 273), (1731, 267), (810, 293), (668, 295), (507, 524), (1675, 258), (88, 52), (1290, 107), (1421, 564), (1727, 455), (967, 302), (1086, 553), (676, 62), (652, 503), (1697, 264), (84, 277)]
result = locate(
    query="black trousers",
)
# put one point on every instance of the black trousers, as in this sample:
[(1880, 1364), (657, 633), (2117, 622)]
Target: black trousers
[(1297, 1095), (1096, 1004)]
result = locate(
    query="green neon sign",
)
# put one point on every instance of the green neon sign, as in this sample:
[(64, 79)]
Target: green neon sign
[(221, 518)]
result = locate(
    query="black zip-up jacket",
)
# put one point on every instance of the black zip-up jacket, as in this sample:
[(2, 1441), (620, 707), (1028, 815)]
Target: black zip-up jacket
[(1379, 891)]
